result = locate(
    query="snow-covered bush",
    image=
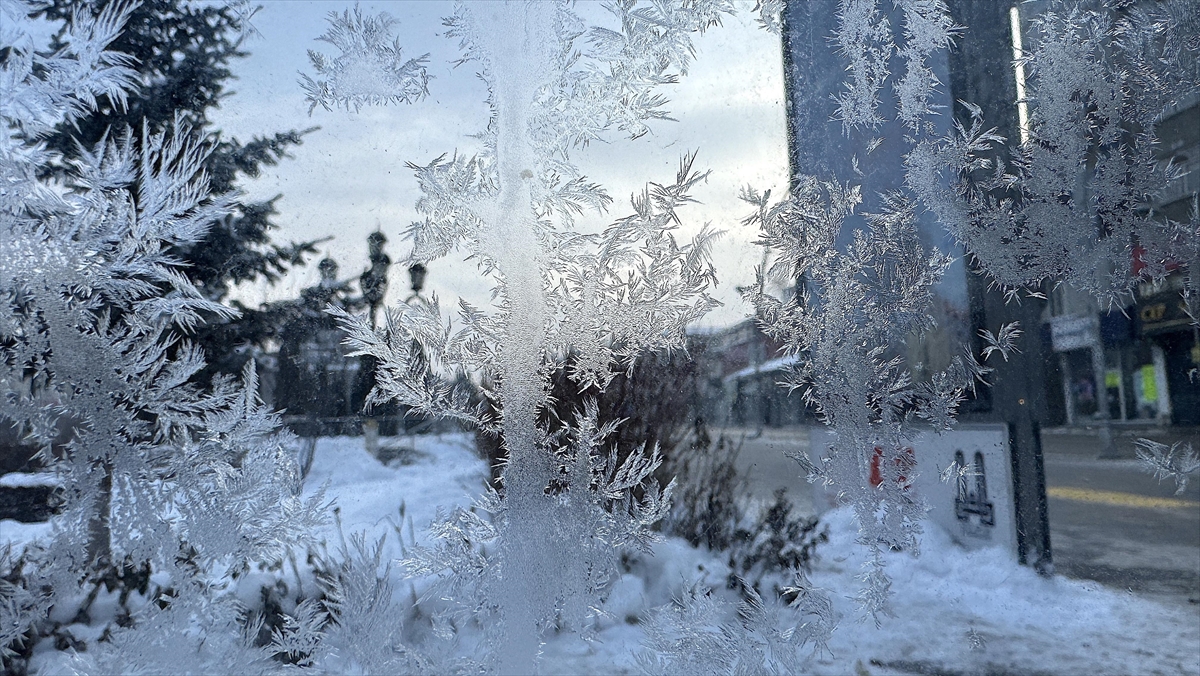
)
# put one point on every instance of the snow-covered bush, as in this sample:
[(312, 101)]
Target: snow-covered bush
[(692, 636), (707, 505), (779, 538), (711, 508), (196, 484)]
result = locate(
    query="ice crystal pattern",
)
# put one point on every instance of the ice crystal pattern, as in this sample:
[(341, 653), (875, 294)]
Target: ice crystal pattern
[(370, 69), (595, 301), (1075, 202), (196, 483), (1176, 462), (1073, 205), (687, 637), (865, 39), (852, 307)]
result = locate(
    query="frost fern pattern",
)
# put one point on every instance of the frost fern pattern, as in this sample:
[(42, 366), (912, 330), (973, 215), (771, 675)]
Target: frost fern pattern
[(196, 484), (603, 298)]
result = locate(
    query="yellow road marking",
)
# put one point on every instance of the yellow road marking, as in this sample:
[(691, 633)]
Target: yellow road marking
[(1118, 499)]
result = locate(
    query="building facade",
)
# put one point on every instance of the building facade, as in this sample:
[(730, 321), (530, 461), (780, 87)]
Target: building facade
[(1138, 363)]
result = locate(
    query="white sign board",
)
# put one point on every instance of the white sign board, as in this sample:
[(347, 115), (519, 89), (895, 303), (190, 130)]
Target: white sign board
[(976, 505), (1073, 333)]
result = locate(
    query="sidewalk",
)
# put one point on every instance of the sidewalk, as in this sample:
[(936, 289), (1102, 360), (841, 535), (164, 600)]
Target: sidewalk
[(1088, 439)]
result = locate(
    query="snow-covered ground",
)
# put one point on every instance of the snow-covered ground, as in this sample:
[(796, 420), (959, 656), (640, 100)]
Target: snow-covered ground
[(955, 611), (978, 612), (437, 470)]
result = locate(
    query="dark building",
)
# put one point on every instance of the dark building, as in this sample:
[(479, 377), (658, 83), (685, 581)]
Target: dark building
[(1132, 365)]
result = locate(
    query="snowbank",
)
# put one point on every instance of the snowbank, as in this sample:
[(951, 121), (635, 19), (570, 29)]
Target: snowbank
[(955, 611), (438, 470), (18, 534), (978, 612)]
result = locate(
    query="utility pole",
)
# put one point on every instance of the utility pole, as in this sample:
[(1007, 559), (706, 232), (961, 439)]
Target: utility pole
[(981, 71)]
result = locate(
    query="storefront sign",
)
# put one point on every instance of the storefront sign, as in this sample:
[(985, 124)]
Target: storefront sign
[(1073, 333), (1161, 314)]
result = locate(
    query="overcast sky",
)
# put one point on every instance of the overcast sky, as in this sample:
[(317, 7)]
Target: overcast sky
[(349, 176)]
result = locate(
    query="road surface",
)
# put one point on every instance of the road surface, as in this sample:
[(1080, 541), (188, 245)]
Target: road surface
[(1115, 524)]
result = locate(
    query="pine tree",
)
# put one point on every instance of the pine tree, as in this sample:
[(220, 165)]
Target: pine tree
[(158, 475), (183, 53)]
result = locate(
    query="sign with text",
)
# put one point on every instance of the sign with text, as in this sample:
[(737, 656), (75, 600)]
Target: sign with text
[(1162, 313), (974, 504), (1073, 333)]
